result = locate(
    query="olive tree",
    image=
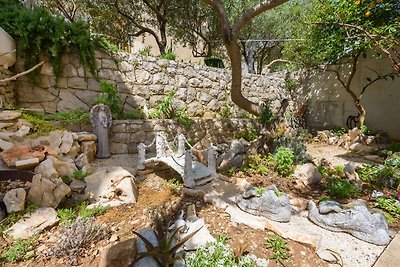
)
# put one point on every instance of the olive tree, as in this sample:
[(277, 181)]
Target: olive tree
[(230, 27)]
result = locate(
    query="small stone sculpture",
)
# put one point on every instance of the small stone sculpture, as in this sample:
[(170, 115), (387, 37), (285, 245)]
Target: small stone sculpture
[(101, 119)]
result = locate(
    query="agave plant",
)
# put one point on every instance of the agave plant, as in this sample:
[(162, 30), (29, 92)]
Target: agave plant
[(165, 251)]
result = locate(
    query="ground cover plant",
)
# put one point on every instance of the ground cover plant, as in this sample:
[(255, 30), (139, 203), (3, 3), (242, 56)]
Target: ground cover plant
[(280, 250)]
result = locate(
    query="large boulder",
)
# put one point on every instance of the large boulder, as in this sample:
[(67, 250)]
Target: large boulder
[(47, 192), (112, 187), (46, 169), (357, 221), (308, 173), (271, 204), (10, 156), (15, 200), (37, 221)]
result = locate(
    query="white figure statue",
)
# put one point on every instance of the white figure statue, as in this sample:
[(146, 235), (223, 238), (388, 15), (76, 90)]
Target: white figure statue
[(101, 119)]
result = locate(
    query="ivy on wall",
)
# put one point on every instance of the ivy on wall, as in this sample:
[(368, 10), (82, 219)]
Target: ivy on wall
[(37, 32)]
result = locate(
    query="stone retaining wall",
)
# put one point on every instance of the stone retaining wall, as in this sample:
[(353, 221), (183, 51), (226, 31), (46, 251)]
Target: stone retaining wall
[(144, 81), (127, 134), (7, 90)]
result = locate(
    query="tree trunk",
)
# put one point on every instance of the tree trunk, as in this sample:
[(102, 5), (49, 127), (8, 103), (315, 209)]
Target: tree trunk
[(236, 85), (363, 113)]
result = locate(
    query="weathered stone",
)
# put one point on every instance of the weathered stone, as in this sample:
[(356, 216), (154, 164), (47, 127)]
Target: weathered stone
[(81, 161), (149, 235), (65, 167), (269, 205), (120, 254), (118, 148), (77, 186), (15, 200), (350, 171), (69, 101), (36, 222), (55, 139), (114, 186), (26, 92), (46, 169), (89, 149), (46, 192), (308, 174), (357, 221), (76, 82), (26, 164), (66, 142), (8, 115), (201, 238), (10, 156), (4, 145), (84, 136)]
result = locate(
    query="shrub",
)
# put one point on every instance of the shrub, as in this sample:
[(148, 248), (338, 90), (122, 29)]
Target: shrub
[(248, 135), (146, 52), (267, 117), (280, 250), (18, 250), (135, 114), (110, 97), (38, 32), (296, 145), (389, 205), (283, 161), (341, 188), (166, 110), (40, 126), (168, 55), (256, 164), (69, 117), (79, 174)]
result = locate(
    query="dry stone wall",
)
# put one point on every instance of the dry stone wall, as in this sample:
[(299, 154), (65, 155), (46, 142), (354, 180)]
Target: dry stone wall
[(126, 135), (144, 81), (7, 89)]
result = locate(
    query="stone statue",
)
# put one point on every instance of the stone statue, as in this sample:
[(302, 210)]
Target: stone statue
[(101, 119)]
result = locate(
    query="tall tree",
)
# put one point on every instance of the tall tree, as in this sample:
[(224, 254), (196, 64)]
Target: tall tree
[(346, 31), (230, 30)]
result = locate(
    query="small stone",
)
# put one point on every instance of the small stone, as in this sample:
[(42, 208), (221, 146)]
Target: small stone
[(15, 200), (67, 142), (114, 237), (308, 173), (8, 115), (5, 145), (46, 169), (26, 164), (85, 136), (77, 186)]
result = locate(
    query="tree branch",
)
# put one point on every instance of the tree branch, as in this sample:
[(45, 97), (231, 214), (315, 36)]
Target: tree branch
[(13, 78), (223, 17), (253, 12)]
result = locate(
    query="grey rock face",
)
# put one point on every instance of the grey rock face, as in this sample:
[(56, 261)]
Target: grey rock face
[(268, 205), (147, 233), (36, 221), (357, 221), (15, 200), (308, 174)]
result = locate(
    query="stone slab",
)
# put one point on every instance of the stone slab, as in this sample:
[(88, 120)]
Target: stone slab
[(391, 255)]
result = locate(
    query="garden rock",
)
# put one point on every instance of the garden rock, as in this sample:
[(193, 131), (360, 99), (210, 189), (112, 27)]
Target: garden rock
[(268, 204), (357, 221), (77, 186), (15, 200), (66, 142), (81, 161), (26, 164), (89, 149), (37, 221), (55, 139), (350, 171), (308, 174), (149, 234), (10, 156), (119, 254), (84, 136), (360, 148), (8, 115), (65, 167), (233, 157), (46, 169), (47, 192), (111, 187), (5, 145), (201, 238)]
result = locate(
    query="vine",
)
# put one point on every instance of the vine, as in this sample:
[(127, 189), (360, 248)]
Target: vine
[(38, 32)]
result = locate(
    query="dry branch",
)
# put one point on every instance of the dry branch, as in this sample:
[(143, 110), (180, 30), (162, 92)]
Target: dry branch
[(13, 78)]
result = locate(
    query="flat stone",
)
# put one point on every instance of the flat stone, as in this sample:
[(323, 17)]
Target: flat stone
[(77, 186), (15, 200), (391, 255), (5, 145), (6, 124), (26, 164), (8, 115), (308, 174), (10, 156), (119, 254), (85, 136), (67, 141), (37, 221), (46, 169)]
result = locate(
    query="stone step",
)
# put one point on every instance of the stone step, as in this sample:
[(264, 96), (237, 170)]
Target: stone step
[(391, 255)]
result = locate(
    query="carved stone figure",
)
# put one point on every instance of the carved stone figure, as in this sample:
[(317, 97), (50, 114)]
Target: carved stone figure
[(101, 119)]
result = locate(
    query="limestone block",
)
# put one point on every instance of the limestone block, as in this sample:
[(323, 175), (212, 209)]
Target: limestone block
[(160, 78), (87, 96), (65, 167), (120, 137), (135, 101), (70, 71), (10, 156), (89, 149), (47, 192), (77, 82), (4, 145), (84, 136), (46, 169), (15, 200), (7, 115), (93, 85), (308, 174), (108, 64), (119, 254), (70, 101), (77, 186), (113, 185), (26, 92), (37, 221), (118, 148), (143, 77), (125, 66), (66, 143), (26, 164), (106, 74)]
